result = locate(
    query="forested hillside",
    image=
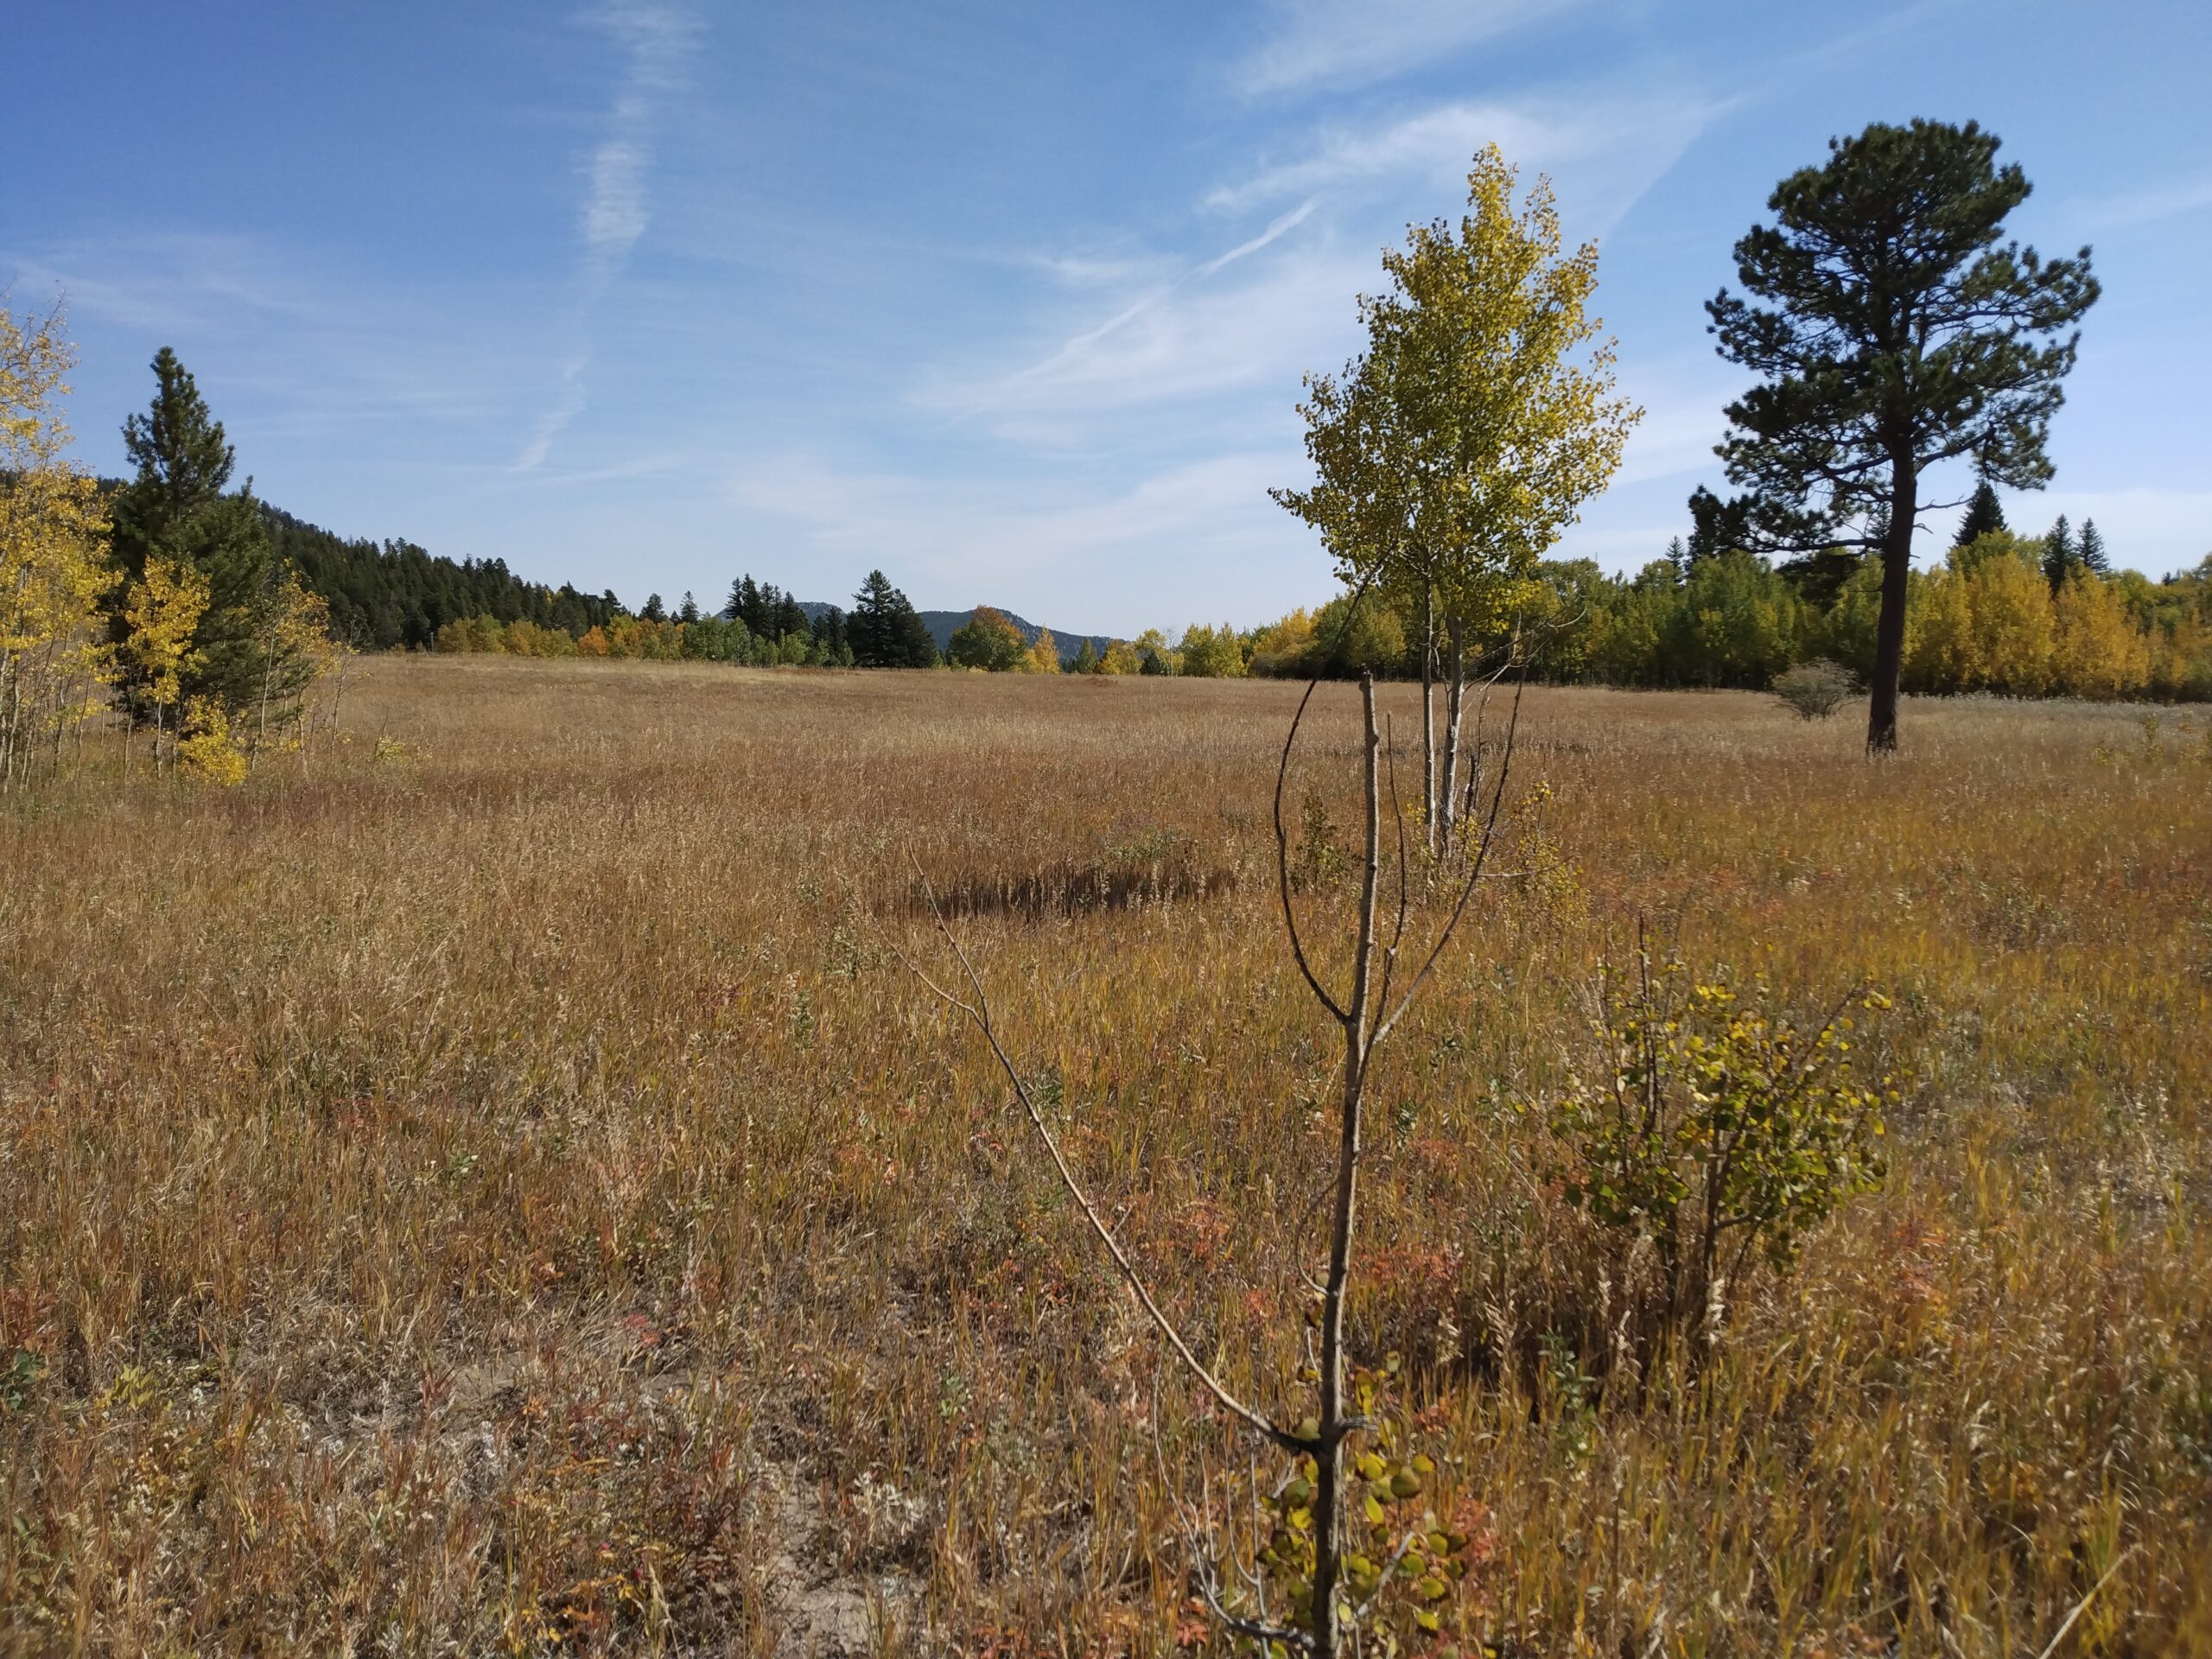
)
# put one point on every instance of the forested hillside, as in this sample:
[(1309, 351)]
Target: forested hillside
[(394, 593)]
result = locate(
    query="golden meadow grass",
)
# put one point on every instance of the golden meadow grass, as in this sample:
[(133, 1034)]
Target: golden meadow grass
[(500, 1193)]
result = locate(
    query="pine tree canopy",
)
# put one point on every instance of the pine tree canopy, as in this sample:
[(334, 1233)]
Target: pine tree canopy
[(885, 630), (177, 509), (1985, 513), (2060, 555), (184, 459), (1892, 331), (2093, 558), (1716, 526)]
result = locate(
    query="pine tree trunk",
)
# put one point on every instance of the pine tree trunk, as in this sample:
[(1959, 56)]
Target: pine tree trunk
[(1889, 631)]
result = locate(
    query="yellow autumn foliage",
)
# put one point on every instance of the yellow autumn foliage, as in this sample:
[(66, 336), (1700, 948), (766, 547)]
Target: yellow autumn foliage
[(1043, 658), (2099, 652), (53, 545), (2008, 602), (207, 750), (1121, 658)]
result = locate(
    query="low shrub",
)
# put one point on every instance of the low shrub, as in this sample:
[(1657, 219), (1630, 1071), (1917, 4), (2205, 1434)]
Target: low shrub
[(1816, 690)]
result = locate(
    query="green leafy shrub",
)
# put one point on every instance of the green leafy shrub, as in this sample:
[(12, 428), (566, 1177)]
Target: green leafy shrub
[(1408, 1554), (1722, 1135)]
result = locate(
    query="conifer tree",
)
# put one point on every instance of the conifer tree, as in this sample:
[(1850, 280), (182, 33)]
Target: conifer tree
[(2060, 555), (1716, 527), (2092, 550), (744, 603), (1984, 513), (1896, 333), (884, 629), (178, 509), (829, 637)]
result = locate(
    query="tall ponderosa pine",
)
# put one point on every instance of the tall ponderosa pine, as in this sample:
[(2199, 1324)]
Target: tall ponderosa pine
[(885, 630), (177, 509), (1984, 514), (1898, 335)]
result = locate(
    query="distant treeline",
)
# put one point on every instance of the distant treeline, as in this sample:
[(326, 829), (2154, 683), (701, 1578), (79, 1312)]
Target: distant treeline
[(2021, 616), (761, 626), (2043, 616)]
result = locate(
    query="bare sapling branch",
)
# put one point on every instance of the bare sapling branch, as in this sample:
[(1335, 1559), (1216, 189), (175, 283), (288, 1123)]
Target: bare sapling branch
[(1282, 861), (1328, 1455), (978, 1013)]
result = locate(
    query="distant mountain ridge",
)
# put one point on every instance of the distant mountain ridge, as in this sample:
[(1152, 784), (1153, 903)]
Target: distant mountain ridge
[(943, 625)]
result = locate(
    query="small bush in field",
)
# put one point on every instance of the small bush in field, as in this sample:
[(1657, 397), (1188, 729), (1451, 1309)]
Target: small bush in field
[(1723, 1133), (1816, 690)]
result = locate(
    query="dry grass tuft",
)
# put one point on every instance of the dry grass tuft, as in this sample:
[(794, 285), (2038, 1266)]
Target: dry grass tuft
[(501, 1195)]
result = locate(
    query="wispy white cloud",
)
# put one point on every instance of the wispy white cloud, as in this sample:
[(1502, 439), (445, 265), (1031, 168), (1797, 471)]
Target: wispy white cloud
[(1283, 223), (656, 41), (156, 282), (1682, 421), (1280, 302), (566, 403), (1613, 145), (1094, 270), (1147, 370), (1057, 553), (614, 211), (1173, 349), (2170, 200), (314, 347), (1335, 43)]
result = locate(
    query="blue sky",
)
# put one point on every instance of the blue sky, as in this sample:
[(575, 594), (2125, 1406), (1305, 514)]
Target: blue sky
[(1009, 299)]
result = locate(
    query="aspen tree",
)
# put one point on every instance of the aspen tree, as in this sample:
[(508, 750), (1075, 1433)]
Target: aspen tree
[(53, 545), (162, 612), (1463, 443)]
